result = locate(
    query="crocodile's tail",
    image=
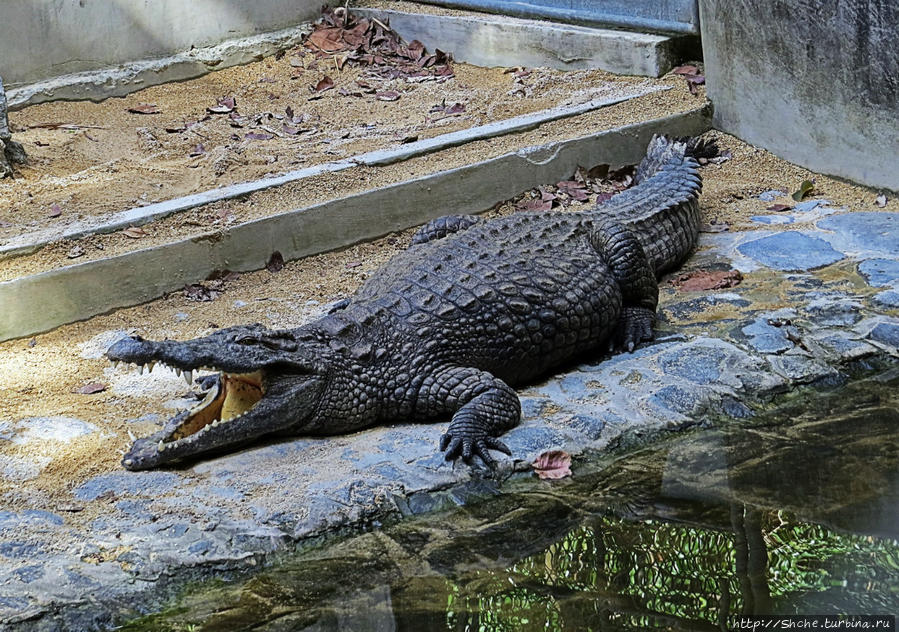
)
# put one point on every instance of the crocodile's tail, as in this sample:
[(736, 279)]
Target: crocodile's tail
[(662, 207)]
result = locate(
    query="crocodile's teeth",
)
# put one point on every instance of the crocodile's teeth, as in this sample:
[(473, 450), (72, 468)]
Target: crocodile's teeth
[(131, 436), (189, 377), (128, 462), (178, 372), (160, 446), (150, 367), (140, 369), (115, 364)]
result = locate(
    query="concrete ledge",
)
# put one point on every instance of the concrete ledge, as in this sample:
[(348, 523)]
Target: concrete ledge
[(822, 93), (31, 242), (43, 301), (43, 39), (97, 85), (506, 41)]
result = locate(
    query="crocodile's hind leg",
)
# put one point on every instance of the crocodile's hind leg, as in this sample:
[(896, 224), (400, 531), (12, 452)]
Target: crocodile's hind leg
[(483, 408), (443, 226), (620, 249)]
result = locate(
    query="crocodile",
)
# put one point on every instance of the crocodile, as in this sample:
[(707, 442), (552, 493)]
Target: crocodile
[(445, 329)]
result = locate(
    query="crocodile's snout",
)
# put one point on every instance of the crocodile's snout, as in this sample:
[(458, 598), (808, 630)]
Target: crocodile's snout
[(128, 349)]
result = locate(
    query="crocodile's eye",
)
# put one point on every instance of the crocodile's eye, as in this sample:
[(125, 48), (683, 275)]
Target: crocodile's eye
[(275, 344)]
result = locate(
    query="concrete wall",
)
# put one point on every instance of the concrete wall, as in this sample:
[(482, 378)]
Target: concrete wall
[(41, 39), (665, 16), (814, 81)]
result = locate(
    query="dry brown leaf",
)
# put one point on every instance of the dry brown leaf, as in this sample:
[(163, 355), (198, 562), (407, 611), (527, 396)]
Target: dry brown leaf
[(91, 388), (553, 464), (134, 232), (702, 280), (275, 262), (144, 108)]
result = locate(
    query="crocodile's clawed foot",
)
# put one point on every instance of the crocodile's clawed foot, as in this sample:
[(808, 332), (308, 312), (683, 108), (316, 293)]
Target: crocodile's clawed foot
[(455, 446), (634, 327)]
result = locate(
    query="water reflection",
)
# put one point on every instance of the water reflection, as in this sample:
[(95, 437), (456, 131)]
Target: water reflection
[(794, 513)]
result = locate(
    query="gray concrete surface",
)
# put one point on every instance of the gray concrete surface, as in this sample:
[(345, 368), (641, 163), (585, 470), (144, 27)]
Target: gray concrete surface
[(43, 39), (803, 315), (43, 301), (135, 75), (486, 40), (814, 82)]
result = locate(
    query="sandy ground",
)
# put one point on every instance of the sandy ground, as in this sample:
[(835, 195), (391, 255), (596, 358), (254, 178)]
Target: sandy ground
[(38, 376), (89, 159)]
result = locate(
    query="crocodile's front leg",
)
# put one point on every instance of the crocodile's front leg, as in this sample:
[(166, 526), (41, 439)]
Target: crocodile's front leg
[(620, 249), (483, 408)]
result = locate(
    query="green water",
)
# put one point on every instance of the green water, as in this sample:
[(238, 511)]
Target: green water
[(794, 512)]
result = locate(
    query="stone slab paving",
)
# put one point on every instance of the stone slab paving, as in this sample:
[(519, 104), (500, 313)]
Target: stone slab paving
[(810, 311)]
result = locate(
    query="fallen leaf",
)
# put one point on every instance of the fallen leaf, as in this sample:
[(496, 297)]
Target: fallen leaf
[(200, 293), (693, 81), (275, 262), (325, 83), (779, 207), (90, 389), (225, 106), (456, 108), (409, 139), (881, 200), (75, 252), (534, 204), (176, 129), (258, 136), (702, 280), (389, 95), (553, 464), (41, 143), (604, 197), (144, 108), (55, 211), (686, 69), (353, 264), (134, 232), (198, 150), (804, 189), (296, 62)]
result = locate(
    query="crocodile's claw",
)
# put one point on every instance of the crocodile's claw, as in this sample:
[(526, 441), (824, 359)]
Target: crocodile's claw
[(465, 446), (634, 327)]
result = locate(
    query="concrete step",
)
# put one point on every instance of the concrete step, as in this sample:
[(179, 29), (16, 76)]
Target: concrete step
[(42, 301), (489, 40)]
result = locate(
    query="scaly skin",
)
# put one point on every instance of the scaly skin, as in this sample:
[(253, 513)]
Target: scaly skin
[(448, 327)]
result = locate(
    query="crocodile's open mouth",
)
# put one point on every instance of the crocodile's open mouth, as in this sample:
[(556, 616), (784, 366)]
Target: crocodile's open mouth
[(231, 396)]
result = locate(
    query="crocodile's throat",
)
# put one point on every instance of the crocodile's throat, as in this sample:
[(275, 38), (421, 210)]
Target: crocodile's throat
[(231, 396)]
